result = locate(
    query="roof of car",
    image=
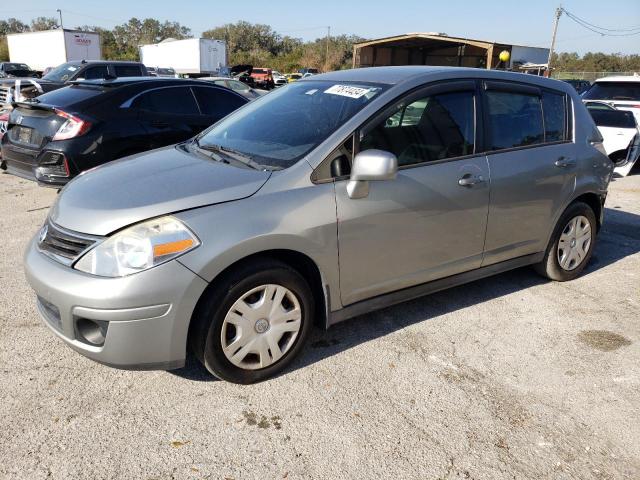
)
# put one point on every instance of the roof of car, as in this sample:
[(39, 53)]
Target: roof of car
[(218, 78), (620, 78), (401, 74), (87, 62), (120, 81)]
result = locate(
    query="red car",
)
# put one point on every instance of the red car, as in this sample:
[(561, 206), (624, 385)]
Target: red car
[(263, 78)]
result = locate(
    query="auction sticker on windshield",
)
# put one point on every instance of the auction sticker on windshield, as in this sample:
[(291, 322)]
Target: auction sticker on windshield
[(347, 91)]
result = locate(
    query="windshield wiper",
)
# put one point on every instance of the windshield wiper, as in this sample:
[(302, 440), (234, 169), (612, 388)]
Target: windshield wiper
[(211, 152), (231, 153)]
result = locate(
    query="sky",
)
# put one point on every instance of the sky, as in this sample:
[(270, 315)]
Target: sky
[(516, 22)]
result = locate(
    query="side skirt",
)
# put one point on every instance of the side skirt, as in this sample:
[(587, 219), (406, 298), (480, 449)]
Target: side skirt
[(393, 298)]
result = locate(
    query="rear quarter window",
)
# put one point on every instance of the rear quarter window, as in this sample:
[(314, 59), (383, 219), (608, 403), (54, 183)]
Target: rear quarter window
[(217, 102)]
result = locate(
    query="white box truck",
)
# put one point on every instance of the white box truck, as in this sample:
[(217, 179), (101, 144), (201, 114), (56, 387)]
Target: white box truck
[(192, 56), (50, 48)]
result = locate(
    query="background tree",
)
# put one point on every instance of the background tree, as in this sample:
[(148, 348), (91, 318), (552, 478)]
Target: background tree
[(11, 25), (44, 23)]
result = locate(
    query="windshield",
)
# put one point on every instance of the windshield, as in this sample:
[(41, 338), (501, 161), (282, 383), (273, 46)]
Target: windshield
[(62, 73), (11, 67), (282, 127), (614, 91), (166, 71)]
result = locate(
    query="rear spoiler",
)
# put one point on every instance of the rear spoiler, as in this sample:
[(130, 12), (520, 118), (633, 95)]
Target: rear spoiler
[(34, 104)]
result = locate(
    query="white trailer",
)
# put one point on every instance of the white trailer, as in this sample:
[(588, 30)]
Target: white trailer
[(521, 55), (50, 48), (194, 56)]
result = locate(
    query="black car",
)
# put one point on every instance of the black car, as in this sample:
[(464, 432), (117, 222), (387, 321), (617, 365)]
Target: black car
[(16, 70), (59, 134), (64, 74)]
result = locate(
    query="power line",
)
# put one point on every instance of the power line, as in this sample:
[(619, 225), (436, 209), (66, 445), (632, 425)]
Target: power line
[(602, 31)]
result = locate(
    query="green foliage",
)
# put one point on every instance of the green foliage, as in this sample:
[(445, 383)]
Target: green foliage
[(123, 41), (261, 46), (44, 23), (595, 62)]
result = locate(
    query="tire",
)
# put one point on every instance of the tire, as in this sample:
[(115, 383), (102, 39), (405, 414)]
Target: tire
[(569, 251), (235, 312)]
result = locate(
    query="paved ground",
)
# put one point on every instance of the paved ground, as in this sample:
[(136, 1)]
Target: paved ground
[(509, 377)]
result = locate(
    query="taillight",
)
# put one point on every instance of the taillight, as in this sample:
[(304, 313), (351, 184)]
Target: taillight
[(73, 127)]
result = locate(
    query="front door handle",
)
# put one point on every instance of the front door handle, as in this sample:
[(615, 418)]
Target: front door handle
[(469, 180), (159, 124), (564, 162)]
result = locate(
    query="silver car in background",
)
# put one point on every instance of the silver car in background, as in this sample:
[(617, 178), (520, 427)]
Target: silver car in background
[(340, 194)]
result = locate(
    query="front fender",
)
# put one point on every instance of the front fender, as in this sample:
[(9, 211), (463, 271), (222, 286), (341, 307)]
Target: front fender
[(302, 220)]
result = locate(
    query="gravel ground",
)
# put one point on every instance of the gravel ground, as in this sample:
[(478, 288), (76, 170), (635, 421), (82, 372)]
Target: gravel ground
[(508, 377)]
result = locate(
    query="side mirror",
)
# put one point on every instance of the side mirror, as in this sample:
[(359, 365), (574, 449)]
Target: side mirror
[(370, 165)]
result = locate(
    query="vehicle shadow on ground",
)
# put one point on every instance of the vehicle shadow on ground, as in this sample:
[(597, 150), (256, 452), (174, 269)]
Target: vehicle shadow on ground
[(618, 239)]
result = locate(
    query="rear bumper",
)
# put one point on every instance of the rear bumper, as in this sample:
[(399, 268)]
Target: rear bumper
[(143, 318), (23, 163)]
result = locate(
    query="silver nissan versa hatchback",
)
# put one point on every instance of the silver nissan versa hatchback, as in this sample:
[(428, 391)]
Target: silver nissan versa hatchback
[(325, 199)]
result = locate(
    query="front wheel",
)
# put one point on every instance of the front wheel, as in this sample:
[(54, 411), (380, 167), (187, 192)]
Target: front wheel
[(254, 323), (571, 244)]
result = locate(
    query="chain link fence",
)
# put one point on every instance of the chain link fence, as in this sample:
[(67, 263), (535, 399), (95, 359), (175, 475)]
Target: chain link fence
[(590, 76)]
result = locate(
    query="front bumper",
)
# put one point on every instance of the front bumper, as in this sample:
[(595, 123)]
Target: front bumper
[(144, 317)]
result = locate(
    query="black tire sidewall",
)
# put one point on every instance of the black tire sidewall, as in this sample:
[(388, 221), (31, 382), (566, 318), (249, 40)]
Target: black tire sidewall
[(550, 266), (214, 358)]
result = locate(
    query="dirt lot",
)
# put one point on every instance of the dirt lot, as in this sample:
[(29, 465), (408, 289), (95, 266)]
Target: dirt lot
[(509, 377)]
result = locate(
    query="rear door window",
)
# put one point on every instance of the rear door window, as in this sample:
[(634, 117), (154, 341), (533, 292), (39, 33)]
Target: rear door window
[(217, 102), (92, 73), (127, 70), (554, 109), (515, 119), (172, 100)]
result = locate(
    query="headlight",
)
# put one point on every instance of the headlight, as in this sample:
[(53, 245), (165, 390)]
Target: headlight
[(138, 248)]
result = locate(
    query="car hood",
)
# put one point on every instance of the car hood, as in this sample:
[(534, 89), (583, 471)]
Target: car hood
[(147, 185)]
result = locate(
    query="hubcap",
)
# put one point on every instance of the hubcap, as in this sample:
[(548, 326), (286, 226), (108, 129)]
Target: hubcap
[(261, 327), (575, 242)]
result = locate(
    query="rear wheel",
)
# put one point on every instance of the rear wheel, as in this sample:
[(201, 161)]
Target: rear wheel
[(571, 244), (254, 322)]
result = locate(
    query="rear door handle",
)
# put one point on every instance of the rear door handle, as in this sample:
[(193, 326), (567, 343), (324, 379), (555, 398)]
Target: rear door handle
[(469, 180), (564, 162)]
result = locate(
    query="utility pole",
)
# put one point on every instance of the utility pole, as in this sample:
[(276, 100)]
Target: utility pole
[(60, 13), (553, 38), (326, 56)]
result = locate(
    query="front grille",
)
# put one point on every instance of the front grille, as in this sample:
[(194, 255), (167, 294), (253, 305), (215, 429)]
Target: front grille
[(63, 245), (4, 95)]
